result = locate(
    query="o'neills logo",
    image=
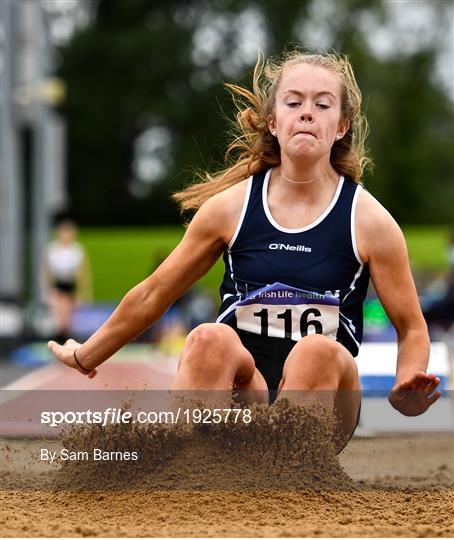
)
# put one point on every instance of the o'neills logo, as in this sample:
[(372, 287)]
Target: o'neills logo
[(290, 247)]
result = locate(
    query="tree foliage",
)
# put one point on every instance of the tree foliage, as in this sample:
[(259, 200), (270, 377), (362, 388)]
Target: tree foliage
[(147, 63)]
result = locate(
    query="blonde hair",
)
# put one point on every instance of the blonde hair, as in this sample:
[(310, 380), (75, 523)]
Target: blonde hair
[(253, 149)]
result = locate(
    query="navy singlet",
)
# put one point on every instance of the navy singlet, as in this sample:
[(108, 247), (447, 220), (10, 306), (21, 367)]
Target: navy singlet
[(288, 283)]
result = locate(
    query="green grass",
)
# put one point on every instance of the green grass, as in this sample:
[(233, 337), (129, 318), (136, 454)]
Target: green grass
[(121, 257), (428, 247)]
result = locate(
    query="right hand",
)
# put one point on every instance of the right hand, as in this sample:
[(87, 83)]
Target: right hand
[(65, 353)]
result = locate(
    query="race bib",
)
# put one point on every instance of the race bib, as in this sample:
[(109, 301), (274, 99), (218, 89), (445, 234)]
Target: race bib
[(281, 311)]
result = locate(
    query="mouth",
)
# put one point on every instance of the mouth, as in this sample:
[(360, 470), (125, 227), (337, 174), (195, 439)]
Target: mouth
[(306, 133)]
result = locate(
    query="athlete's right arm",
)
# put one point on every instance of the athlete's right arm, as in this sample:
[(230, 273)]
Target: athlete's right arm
[(203, 243)]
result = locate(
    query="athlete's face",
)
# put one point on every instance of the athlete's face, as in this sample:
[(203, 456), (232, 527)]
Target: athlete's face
[(307, 115)]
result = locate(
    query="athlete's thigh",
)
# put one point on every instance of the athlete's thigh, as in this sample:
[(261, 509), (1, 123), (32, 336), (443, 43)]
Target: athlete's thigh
[(347, 399)]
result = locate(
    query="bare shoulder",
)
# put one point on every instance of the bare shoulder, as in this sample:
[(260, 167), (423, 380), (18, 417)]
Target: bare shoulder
[(377, 231), (221, 212)]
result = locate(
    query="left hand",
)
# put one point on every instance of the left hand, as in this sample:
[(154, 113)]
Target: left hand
[(416, 394)]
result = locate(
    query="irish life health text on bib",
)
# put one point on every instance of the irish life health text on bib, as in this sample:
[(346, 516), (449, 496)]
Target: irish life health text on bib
[(281, 311)]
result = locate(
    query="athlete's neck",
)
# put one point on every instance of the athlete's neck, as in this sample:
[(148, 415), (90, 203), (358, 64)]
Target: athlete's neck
[(310, 177)]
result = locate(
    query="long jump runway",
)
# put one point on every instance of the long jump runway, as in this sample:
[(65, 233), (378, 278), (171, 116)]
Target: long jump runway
[(387, 485)]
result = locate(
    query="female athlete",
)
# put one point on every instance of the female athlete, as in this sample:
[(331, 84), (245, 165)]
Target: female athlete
[(300, 238)]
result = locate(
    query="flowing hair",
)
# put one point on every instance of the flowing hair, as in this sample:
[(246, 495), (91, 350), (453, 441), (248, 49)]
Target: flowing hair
[(253, 149)]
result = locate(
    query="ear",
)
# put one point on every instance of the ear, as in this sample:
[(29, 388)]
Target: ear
[(344, 126), (271, 124)]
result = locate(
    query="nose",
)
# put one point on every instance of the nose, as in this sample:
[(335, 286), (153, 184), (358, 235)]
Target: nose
[(306, 114)]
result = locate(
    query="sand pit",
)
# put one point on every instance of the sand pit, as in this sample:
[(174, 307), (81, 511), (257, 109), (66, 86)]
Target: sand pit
[(280, 477)]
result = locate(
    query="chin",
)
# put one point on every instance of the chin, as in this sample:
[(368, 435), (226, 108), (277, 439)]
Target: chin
[(304, 153)]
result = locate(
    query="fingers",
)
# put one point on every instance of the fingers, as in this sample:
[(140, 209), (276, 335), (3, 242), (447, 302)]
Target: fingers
[(427, 385), (59, 352), (52, 345), (431, 386), (55, 348), (422, 384), (433, 398), (69, 344), (418, 381)]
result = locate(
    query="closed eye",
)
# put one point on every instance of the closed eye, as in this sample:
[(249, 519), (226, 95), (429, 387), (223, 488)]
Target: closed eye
[(294, 104)]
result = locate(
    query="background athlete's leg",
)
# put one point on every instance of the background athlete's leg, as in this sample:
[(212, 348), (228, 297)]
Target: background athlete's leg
[(214, 358), (319, 368)]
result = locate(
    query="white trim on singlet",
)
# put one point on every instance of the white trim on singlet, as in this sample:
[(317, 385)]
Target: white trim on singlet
[(307, 227), (355, 279), (349, 332), (237, 230), (231, 308), (349, 322), (349, 326), (243, 212), (232, 275), (353, 223)]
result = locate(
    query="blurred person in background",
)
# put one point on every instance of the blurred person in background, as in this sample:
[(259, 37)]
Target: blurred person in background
[(66, 277), (439, 312)]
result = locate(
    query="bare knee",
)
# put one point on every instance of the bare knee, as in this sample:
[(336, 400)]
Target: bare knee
[(213, 358), (207, 346), (320, 350), (209, 336), (331, 360), (317, 360), (318, 344)]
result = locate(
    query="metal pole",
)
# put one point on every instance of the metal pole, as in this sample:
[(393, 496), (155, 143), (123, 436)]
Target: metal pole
[(11, 188), (39, 218)]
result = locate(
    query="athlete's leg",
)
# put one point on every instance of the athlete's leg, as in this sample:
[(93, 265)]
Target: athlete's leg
[(214, 358), (62, 308), (321, 368)]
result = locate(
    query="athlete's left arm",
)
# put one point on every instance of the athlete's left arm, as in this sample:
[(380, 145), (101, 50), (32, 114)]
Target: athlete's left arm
[(382, 245)]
